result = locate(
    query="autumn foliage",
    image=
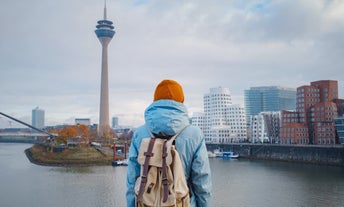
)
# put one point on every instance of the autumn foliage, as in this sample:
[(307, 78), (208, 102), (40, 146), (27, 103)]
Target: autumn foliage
[(81, 131)]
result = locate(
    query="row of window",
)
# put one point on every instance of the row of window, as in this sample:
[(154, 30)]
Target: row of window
[(291, 141), (290, 120), (308, 90), (221, 95), (325, 134), (290, 115), (291, 135), (324, 113), (301, 100), (329, 108), (329, 119), (325, 129), (326, 141)]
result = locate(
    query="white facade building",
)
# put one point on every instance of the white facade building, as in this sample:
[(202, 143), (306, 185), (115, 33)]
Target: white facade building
[(236, 117), (83, 121), (198, 119), (221, 121), (38, 118), (264, 127)]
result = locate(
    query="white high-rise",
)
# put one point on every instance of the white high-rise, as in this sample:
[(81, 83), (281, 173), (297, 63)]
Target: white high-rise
[(223, 122), (38, 118)]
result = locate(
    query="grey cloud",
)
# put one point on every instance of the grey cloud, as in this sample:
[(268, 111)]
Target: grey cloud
[(49, 52)]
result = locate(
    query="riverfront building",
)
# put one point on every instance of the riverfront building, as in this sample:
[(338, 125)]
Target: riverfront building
[(115, 122), (84, 121), (221, 122), (198, 119), (265, 127), (38, 118), (339, 123), (105, 32), (313, 122), (268, 98)]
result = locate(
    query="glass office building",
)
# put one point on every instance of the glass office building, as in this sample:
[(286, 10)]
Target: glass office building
[(269, 98), (339, 123)]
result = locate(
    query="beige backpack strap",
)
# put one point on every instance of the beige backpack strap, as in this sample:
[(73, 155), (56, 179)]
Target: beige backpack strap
[(164, 173), (176, 135), (148, 155), (164, 167)]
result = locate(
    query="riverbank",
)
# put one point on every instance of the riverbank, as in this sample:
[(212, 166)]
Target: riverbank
[(81, 156), (17, 140), (332, 155)]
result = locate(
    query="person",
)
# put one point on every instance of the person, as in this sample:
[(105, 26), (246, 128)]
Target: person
[(166, 116)]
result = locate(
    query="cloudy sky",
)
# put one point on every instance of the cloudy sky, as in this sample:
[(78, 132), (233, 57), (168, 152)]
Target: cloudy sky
[(50, 56)]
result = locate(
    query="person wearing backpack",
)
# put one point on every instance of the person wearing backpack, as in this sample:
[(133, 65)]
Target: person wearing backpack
[(165, 117)]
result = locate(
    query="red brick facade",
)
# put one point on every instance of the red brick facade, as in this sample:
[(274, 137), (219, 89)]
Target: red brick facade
[(312, 122)]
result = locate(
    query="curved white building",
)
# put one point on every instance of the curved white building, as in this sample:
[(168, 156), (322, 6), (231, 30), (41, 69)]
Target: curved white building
[(223, 122)]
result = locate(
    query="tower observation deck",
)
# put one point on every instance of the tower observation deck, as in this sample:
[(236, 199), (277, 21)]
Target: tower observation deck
[(105, 32)]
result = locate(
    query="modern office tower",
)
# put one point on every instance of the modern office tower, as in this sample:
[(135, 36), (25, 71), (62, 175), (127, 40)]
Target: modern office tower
[(105, 32), (114, 122), (265, 127), (269, 98), (317, 106), (221, 121), (339, 123), (83, 121), (38, 118)]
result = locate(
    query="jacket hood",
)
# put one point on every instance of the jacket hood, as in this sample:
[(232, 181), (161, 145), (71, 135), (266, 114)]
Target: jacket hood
[(166, 116)]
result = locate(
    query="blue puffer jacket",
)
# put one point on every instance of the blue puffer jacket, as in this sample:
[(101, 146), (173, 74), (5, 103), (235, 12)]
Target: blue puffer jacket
[(169, 117)]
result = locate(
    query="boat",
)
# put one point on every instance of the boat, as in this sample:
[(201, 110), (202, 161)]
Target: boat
[(120, 163), (230, 155), (211, 154), (226, 154)]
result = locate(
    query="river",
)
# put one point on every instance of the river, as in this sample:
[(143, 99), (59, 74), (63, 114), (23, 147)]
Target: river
[(239, 183)]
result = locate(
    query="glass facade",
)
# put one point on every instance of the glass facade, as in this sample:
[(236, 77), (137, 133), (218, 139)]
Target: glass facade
[(269, 98), (339, 123)]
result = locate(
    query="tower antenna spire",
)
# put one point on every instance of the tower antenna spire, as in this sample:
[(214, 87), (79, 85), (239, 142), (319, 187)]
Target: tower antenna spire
[(105, 10)]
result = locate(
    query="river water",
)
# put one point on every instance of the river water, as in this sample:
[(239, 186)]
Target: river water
[(239, 183)]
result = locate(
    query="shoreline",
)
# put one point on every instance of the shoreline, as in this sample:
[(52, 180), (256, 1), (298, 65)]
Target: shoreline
[(54, 159), (328, 155)]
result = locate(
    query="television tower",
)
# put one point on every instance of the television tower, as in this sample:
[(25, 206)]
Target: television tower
[(105, 32)]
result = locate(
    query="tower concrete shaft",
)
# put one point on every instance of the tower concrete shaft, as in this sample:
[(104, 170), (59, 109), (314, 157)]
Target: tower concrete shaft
[(105, 32)]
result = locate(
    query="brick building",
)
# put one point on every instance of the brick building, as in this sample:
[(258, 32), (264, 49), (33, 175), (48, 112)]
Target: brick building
[(317, 105)]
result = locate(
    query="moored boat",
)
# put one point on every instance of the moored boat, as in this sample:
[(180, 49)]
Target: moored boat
[(230, 154), (211, 154), (226, 154), (120, 163)]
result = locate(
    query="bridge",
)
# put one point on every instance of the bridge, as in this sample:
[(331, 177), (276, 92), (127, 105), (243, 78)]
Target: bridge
[(23, 134), (37, 133)]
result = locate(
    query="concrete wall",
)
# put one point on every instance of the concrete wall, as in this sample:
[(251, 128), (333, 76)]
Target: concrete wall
[(324, 155)]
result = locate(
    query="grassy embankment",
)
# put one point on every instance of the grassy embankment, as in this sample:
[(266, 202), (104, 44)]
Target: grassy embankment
[(82, 156)]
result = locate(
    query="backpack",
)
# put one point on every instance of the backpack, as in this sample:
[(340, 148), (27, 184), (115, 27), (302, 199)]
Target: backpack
[(162, 181)]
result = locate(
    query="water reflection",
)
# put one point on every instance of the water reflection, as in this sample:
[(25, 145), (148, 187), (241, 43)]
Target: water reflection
[(81, 169), (241, 183), (261, 183)]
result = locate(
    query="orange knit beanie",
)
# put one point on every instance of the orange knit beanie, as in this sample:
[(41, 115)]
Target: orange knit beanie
[(169, 89)]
